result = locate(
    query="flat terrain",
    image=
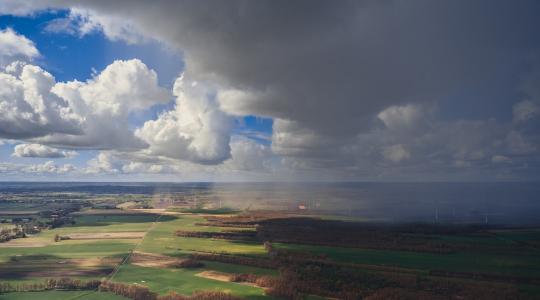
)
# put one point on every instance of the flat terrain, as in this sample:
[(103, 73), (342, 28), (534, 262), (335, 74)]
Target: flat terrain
[(162, 240), (61, 295), (100, 240), (233, 250), (183, 281), (526, 263)]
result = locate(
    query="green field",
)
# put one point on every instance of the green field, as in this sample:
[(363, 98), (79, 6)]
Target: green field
[(43, 243), (182, 281), (107, 223), (214, 211), (231, 268), (79, 259), (512, 253), (161, 239), (68, 249), (61, 295), (522, 261)]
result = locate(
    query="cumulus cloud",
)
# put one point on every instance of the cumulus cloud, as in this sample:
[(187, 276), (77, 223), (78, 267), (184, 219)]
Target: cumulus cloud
[(123, 86), (23, 8), (400, 117), (49, 167), (329, 73), (37, 150), (106, 101), (95, 114), (104, 162), (275, 64), (46, 168), (196, 130), (248, 155), (139, 167), (290, 138), (396, 153), (322, 68), (323, 90), (85, 115), (525, 110), (500, 159), (519, 145), (14, 46), (28, 108), (82, 22)]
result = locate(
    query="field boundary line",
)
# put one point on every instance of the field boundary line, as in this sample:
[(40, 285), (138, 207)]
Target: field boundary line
[(128, 256), (82, 295)]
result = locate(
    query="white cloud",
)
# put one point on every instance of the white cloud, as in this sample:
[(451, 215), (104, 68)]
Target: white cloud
[(396, 153), (139, 167), (400, 117), (196, 130), (500, 159), (240, 102), (517, 144), (462, 163), (37, 150), (105, 102), (22, 8), (81, 22), (46, 168), (323, 92), (49, 167), (290, 138), (85, 115), (248, 155), (124, 86), (525, 110), (104, 162), (28, 108), (14, 46)]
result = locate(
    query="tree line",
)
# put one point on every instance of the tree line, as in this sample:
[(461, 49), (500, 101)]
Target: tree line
[(139, 292), (131, 291), (50, 284)]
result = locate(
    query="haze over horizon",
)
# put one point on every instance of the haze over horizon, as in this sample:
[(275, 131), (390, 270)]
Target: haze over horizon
[(269, 91)]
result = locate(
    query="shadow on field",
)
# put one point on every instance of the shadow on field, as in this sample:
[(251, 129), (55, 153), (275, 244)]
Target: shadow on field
[(46, 265), (104, 220)]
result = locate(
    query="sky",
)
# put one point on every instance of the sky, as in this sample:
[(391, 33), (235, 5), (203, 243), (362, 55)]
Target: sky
[(269, 90)]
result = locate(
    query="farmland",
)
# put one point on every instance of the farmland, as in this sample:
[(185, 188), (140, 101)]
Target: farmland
[(260, 254), (55, 295)]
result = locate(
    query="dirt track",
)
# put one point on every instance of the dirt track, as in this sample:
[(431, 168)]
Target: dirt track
[(24, 242), (152, 260), (220, 276), (106, 235), (56, 273), (215, 275)]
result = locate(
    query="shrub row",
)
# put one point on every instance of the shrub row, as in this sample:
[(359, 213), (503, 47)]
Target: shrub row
[(50, 284), (137, 292)]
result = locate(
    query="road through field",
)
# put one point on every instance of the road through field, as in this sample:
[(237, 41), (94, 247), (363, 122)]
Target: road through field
[(128, 256)]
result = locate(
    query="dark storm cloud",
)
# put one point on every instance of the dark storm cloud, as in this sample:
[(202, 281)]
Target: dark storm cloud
[(314, 61), (324, 70)]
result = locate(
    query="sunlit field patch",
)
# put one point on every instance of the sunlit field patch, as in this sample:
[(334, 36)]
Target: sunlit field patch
[(181, 280)]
